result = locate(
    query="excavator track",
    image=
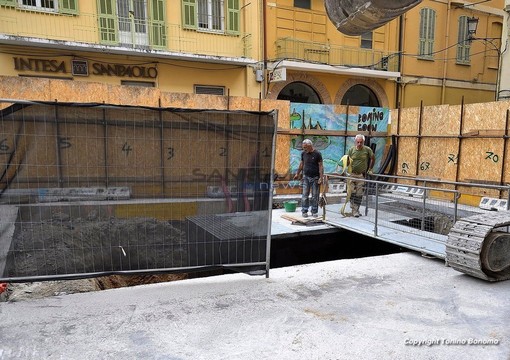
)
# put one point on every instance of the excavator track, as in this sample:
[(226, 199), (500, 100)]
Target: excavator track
[(479, 245)]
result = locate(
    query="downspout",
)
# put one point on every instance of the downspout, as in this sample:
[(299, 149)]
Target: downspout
[(265, 83), (400, 59), (445, 60), (245, 51), (504, 69)]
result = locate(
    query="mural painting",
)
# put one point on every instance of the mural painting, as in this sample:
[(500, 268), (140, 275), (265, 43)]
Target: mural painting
[(325, 117)]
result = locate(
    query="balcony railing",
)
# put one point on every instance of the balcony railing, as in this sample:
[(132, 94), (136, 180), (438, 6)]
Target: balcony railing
[(83, 29), (324, 53)]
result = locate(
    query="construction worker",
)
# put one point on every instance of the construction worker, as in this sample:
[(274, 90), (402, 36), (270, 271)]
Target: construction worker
[(363, 160), (312, 168)]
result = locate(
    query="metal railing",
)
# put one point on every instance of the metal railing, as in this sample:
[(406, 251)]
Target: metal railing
[(23, 25), (97, 189), (425, 181), (419, 209), (325, 53)]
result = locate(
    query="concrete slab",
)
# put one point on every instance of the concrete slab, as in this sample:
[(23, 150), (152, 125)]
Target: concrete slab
[(400, 306)]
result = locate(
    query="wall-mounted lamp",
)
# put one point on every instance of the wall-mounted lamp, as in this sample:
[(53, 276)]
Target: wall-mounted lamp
[(472, 24)]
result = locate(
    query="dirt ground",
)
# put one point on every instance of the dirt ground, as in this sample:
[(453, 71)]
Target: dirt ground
[(42, 289), (64, 245)]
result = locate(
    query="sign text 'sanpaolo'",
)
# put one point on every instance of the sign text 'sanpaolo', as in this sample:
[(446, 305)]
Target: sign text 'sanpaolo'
[(98, 68)]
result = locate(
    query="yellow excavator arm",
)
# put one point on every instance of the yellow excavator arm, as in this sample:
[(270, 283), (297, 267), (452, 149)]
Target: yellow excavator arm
[(356, 17)]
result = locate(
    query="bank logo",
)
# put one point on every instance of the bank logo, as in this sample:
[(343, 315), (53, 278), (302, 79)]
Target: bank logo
[(80, 67)]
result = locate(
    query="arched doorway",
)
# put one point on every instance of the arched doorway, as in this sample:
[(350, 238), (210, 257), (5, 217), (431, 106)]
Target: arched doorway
[(299, 92), (360, 95)]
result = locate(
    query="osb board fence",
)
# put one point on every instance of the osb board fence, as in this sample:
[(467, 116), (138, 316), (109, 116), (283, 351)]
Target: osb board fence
[(23, 88), (454, 143), (465, 143)]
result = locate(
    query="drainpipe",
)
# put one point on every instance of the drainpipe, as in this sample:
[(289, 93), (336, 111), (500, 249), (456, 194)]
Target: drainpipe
[(445, 61), (265, 83), (400, 59), (503, 87)]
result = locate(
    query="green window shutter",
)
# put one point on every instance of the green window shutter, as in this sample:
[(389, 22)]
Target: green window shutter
[(107, 21), (233, 17), (189, 14), (423, 25), (8, 2), (68, 6), (158, 25), (432, 31), (427, 33)]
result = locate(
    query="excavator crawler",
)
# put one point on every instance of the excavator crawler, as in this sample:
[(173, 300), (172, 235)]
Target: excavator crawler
[(356, 17), (479, 245)]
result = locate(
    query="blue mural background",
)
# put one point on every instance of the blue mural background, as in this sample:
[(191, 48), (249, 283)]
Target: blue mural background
[(325, 117)]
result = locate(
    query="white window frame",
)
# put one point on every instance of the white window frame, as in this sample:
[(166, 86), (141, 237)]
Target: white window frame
[(134, 23), (209, 21), (39, 5)]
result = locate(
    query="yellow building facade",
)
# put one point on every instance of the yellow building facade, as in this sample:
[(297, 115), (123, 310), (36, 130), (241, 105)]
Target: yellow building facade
[(282, 49), (304, 45), (421, 57), (438, 65), (188, 46)]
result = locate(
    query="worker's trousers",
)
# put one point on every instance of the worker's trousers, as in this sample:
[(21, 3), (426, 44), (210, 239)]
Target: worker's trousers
[(310, 185)]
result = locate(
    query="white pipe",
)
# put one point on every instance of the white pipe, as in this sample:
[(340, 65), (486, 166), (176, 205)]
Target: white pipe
[(504, 84)]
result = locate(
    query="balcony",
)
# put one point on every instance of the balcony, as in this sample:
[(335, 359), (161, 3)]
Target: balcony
[(335, 55), (20, 27)]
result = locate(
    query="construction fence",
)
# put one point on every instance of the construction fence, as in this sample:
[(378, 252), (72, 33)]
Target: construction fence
[(96, 189)]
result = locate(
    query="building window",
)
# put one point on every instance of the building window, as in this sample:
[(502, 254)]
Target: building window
[(463, 44), (128, 22), (54, 6), (220, 16), (427, 33), (360, 95), (210, 15), (303, 4), (366, 40), (209, 90), (299, 92), (132, 22), (138, 83), (43, 5)]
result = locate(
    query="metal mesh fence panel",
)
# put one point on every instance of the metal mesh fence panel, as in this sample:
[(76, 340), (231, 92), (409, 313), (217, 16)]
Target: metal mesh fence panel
[(94, 189)]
